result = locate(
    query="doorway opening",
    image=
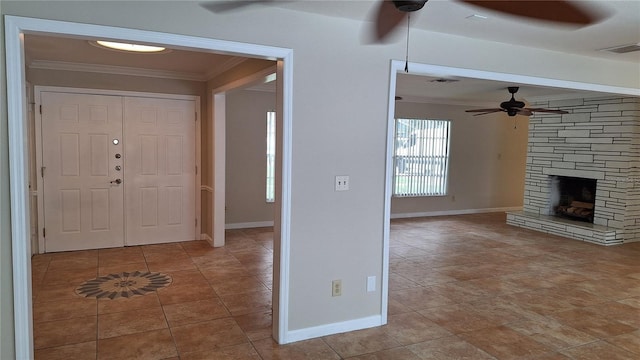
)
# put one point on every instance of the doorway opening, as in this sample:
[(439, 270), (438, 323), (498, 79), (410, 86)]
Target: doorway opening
[(16, 27)]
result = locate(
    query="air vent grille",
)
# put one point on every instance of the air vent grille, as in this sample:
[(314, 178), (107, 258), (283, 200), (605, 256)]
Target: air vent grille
[(623, 49)]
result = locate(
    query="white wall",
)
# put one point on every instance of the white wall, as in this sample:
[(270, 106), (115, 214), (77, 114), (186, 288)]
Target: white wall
[(246, 160), (340, 88), (487, 161)]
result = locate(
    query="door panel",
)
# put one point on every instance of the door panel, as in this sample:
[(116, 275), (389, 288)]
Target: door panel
[(82, 208), (160, 170)]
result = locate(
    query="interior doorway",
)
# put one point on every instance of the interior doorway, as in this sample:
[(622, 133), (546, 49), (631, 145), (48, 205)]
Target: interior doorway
[(16, 27)]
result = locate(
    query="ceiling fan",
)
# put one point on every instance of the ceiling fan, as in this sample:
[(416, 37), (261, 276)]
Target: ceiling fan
[(514, 107), (390, 14)]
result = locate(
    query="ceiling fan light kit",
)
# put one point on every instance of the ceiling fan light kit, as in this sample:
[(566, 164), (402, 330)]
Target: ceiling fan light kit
[(408, 5)]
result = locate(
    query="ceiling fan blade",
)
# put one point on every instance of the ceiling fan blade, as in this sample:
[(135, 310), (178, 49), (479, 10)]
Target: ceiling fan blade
[(387, 18), (547, 110), (557, 11), (525, 112), (485, 110)]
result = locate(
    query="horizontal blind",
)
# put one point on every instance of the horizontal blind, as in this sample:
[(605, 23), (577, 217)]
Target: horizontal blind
[(421, 157)]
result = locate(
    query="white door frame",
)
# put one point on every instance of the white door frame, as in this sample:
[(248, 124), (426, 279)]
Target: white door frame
[(15, 27), (38, 90), (398, 66)]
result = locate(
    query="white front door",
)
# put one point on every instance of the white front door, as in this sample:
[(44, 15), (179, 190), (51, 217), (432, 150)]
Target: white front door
[(83, 205), (160, 170)]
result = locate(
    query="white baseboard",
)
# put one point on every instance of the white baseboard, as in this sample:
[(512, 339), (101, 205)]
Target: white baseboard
[(249, 225), (335, 328), (207, 238), (455, 212)]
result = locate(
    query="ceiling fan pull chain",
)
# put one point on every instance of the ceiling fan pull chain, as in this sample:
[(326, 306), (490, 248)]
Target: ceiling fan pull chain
[(406, 61)]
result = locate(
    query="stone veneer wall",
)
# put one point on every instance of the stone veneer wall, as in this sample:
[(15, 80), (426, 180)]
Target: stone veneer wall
[(598, 139)]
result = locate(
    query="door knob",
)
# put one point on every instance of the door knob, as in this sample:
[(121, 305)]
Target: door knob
[(118, 167), (116, 181), (118, 156)]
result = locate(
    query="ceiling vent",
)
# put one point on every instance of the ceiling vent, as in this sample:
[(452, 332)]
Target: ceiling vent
[(623, 49)]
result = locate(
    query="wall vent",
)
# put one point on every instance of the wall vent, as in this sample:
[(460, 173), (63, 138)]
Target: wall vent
[(623, 49)]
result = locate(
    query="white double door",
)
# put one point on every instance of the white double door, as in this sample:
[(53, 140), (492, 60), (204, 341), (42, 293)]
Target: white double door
[(116, 170)]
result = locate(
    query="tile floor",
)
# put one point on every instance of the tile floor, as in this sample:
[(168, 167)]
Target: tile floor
[(461, 287)]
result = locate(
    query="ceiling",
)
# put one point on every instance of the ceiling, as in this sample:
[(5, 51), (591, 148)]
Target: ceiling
[(621, 26)]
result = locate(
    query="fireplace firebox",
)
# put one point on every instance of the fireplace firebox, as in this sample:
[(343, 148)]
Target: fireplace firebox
[(573, 198)]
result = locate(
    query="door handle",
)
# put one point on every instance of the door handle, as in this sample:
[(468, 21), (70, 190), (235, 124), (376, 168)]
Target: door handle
[(116, 181)]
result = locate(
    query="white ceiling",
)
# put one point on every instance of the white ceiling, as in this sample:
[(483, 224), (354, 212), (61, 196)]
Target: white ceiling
[(621, 26)]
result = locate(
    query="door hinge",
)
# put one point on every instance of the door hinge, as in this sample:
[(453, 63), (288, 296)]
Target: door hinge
[(195, 118), (42, 171), (196, 222), (196, 170), (40, 109), (44, 233)]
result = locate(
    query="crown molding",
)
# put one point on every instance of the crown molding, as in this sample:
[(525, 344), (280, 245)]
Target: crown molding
[(115, 70), (227, 65), (131, 71)]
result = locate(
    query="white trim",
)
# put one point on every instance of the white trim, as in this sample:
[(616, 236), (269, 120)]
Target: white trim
[(446, 71), (248, 225), (388, 191), (72, 90), (227, 65), (207, 238), (19, 190), (454, 212), (259, 77), (132, 71), (285, 80), (335, 328), (15, 26), (218, 170), (114, 70)]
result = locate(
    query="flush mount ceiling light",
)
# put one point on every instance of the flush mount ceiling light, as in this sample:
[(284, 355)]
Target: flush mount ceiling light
[(128, 47)]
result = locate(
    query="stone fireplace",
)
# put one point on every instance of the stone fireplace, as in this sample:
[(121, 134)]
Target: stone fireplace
[(594, 151)]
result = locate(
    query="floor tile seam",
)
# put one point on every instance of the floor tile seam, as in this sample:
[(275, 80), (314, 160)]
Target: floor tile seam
[(147, 329), (511, 325), (98, 341), (166, 321), (63, 345), (201, 321), (561, 351), (620, 347), (326, 342)]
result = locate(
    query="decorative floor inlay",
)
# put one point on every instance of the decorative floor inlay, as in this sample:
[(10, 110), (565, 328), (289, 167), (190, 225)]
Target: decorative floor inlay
[(125, 284)]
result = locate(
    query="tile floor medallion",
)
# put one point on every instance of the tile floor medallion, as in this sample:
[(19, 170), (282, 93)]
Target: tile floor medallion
[(124, 284)]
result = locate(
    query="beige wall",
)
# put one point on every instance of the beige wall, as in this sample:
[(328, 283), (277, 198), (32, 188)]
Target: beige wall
[(246, 161), (487, 161), (340, 88)]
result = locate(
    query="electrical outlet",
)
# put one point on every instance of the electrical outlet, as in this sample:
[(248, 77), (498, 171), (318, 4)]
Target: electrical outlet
[(342, 183), (336, 288)]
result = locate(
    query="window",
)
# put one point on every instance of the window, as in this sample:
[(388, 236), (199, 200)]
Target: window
[(421, 157), (271, 156)]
